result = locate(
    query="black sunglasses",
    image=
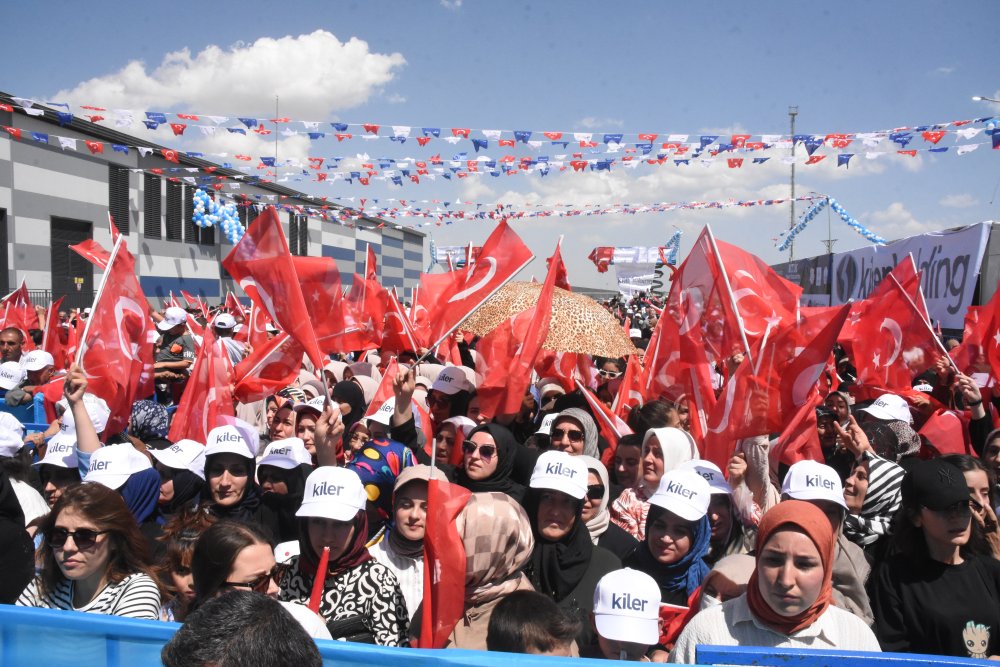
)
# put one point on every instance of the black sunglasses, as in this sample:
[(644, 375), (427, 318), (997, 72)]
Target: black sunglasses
[(259, 584), (487, 452), (595, 491), (572, 436), (84, 539)]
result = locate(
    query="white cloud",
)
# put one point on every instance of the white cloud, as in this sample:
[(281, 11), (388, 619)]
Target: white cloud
[(244, 78), (395, 98), (895, 221), (594, 123), (453, 5), (943, 71), (964, 200)]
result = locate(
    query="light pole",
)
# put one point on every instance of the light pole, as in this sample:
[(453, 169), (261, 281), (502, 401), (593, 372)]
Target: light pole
[(980, 98), (792, 112)]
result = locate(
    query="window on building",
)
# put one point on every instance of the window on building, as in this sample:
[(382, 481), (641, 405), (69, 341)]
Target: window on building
[(118, 196), (293, 233), (152, 209), (303, 235), (175, 211)]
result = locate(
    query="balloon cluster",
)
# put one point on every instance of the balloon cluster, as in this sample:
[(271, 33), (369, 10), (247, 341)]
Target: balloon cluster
[(208, 213), (673, 245), (806, 218), (857, 226)]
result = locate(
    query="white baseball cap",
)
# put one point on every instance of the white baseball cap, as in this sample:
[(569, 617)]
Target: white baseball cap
[(314, 404), (172, 316), (812, 480), (627, 607), (333, 493), (560, 471), (634, 333), (284, 551), (272, 327), (97, 410), (716, 480), (11, 374), (684, 493), (227, 440), (11, 442), (11, 423), (888, 407), (451, 381), (224, 321), (61, 451), (36, 360), (384, 414), (286, 454), (183, 455), (461, 423), (546, 425), (112, 465)]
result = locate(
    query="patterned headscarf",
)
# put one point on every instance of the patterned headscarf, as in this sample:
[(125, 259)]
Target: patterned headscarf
[(882, 500), (498, 542), (149, 421)]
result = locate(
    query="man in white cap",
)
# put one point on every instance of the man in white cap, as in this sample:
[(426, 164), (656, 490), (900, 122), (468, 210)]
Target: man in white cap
[(11, 377), (176, 349), (224, 326), (39, 366), (626, 614)]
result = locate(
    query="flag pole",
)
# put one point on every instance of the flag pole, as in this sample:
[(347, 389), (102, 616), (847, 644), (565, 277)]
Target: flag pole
[(81, 348), (45, 336), (729, 291), (927, 324)]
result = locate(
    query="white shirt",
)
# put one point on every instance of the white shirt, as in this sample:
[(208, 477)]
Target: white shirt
[(732, 624), (409, 572)]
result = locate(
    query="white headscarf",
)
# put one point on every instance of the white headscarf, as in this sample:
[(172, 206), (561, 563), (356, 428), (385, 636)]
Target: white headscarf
[(599, 523)]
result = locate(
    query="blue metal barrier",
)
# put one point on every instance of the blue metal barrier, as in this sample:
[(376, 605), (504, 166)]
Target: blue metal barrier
[(34, 637), (802, 657), (39, 409)]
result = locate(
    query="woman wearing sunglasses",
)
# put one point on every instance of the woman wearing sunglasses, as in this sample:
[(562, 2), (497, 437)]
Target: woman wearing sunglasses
[(94, 558), (565, 564), (488, 457), (597, 516), (939, 590), (361, 599), (574, 432), (234, 556)]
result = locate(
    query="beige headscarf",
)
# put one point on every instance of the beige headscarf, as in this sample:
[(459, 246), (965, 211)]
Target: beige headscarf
[(599, 523), (498, 542)]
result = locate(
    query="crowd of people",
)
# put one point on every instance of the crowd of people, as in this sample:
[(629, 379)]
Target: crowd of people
[(305, 516)]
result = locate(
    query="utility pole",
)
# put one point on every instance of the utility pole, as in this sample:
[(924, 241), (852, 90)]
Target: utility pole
[(276, 116), (829, 234), (792, 112)]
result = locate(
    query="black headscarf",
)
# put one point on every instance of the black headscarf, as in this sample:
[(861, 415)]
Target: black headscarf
[(187, 490), (350, 393), (246, 509), (556, 568), (500, 480), (285, 505)]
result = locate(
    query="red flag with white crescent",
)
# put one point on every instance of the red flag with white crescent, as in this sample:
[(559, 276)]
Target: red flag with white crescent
[(208, 395)]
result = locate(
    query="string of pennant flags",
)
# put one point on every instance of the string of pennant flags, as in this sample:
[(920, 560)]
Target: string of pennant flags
[(178, 123), (362, 169)]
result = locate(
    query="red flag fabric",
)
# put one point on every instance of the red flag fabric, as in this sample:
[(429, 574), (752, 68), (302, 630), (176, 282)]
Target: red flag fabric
[(601, 256), (630, 390), (18, 311), (893, 343), (257, 329), (195, 302), (799, 441), (208, 395), (444, 563), (608, 423), (55, 339), (562, 279), (502, 257), (364, 314), (371, 265), (263, 266), (384, 391), (398, 334), (432, 291), (947, 432), (970, 355), (271, 367), (319, 280), (93, 252), (116, 352), (233, 305)]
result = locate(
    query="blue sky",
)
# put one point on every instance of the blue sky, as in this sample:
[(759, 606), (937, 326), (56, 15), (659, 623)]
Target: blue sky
[(689, 68)]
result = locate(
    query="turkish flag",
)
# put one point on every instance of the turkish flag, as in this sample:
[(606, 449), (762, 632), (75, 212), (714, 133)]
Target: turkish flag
[(398, 334), (384, 391), (55, 338), (431, 292), (195, 302), (444, 563), (116, 351), (567, 367), (970, 355), (93, 252), (496, 349), (562, 279), (630, 389), (233, 306), (502, 257), (18, 311), (371, 265), (609, 424), (906, 275), (208, 395), (946, 432), (601, 256), (319, 280), (257, 327), (270, 367), (799, 441), (263, 266), (763, 396), (364, 314), (893, 343)]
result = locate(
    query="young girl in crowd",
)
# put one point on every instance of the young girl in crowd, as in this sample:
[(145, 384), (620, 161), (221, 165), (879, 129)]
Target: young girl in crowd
[(361, 599), (488, 462), (788, 598), (94, 558)]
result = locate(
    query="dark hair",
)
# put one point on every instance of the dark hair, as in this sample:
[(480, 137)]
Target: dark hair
[(967, 463), (17, 466), (180, 535), (107, 510), (37, 336), (241, 629), (654, 414), (458, 403), (526, 621), (631, 440), (20, 334), (215, 553)]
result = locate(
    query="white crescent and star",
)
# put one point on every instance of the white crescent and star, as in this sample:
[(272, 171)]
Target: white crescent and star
[(483, 282), (892, 326)]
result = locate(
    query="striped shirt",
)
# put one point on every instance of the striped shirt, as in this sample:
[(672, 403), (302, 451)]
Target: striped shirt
[(135, 596)]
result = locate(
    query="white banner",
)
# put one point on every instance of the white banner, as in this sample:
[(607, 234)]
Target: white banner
[(636, 255), (635, 278), (950, 262)]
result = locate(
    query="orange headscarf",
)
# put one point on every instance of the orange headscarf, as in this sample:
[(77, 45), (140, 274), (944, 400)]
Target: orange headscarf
[(809, 519)]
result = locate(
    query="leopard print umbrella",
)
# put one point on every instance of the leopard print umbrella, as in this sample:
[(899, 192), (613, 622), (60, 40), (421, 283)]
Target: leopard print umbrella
[(579, 324)]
